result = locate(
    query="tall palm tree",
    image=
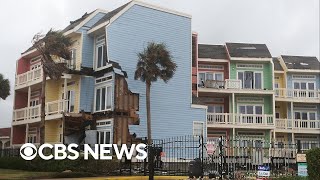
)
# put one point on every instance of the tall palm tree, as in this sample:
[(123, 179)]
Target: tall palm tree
[(154, 62), (4, 87), (51, 45)]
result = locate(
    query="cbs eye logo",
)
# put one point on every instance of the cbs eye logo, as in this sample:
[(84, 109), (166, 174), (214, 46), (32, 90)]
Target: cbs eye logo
[(28, 151)]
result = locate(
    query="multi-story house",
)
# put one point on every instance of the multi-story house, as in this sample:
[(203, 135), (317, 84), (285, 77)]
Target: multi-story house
[(297, 96), (99, 94), (235, 81)]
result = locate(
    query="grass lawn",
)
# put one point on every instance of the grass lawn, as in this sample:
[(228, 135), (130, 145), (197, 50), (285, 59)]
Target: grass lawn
[(18, 174)]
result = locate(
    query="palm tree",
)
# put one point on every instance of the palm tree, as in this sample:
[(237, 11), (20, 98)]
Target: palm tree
[(154, 62), (51, 45), (4, 87)]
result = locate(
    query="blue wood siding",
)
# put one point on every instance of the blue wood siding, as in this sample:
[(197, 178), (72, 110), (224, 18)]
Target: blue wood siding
[(87, 41), (87, 93), (171, 110), (290, 80)]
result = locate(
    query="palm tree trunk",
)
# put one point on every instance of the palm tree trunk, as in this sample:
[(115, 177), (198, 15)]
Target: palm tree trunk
[(151, 155), (148, 84), (43, 107)]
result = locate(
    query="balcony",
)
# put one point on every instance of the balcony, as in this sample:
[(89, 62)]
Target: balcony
[(229, 86), (28, 78), (238, 120), (299, 95), (298, 125), (53, 109)]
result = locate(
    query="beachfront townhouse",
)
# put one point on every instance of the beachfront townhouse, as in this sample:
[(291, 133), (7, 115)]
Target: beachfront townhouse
[(297, 96), (235, 82), (98, 100)]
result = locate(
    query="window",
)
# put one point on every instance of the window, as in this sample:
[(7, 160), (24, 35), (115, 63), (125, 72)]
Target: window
[(250, 79), (103, 98), (252, 113), (34, 102), (100, 53), (277, 115), (304, 115), (216, 108), (204, 76), (304, 89), (35, 66), (214, 67), (198, 128), (103, 137), (32, 138), (71, 64), (70, 101)]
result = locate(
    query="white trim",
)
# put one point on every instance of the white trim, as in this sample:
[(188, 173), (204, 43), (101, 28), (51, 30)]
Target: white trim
[(303, 70), (254, 72), (87, 19), (106, 86), (250, 99), (198, 106), (306, 77), (249, 66), (212, 60), (249, 59), (105, 125), (254, 110)]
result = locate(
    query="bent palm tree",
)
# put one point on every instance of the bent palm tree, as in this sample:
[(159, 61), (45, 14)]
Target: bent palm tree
[(51, 45), (4, 87), (154, 62)]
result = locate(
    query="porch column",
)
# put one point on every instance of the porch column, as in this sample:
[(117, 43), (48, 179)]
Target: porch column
[(233, 109), (292, 117), (28, 105), (27, 132), (292, 138), (64, 94), (3, 142), (274, 135)]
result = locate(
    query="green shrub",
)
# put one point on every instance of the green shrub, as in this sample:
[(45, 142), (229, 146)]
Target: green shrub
[(13, 163), (313, 161), (291, 178), (72, 175)]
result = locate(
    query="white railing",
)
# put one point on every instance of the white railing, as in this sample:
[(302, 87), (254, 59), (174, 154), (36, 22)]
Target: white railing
[(31, 113), (246, 119), (233, 84), (27, 77), (56, 107), (297, 124), (296, 93)]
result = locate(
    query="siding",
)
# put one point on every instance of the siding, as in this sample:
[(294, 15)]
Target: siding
[(290, 80), (171, 112), (87, 42), (87, 93), (77, 44), (53, 131)]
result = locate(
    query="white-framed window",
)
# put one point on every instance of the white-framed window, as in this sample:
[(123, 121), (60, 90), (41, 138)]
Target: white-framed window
[(103, 98), (304, 85), (216, 108), (104, 123), (35, 66), (198, 128), (303, 77), (34, 102), (213, 67), (100, 52), (251, 79), (277, 115), (252, 113), (250, 99), (72, 62), (255, 66), (203, 76), (32, 138), (70, 100), (305, 115), (103, 79), (104, 136)]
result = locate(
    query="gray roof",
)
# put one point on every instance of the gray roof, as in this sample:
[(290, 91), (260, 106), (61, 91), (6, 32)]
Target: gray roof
[(245, 50), (76, 22), (277, 65), (212, 51), (301, 62), (109, 15)]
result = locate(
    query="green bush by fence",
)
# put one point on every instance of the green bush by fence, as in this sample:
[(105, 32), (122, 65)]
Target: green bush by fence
[(313, 161), (79, 165)]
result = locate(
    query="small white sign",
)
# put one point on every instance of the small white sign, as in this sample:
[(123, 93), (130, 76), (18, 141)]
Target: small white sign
[(263, 173)]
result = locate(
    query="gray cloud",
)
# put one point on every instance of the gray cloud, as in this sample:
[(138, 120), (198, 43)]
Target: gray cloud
[(286, 26)]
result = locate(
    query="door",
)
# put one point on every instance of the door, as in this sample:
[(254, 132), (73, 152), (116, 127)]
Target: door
[(248, 79)]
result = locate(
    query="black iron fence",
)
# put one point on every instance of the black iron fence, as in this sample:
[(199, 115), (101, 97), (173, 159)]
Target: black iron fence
[(217, 158)]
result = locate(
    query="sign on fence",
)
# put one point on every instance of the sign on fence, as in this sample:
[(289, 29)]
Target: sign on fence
[(301, 158), (263, 171), (211, 148), (302, 169)]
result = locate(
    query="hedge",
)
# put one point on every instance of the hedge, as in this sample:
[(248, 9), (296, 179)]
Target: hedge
[(313, 162), (79, 165)]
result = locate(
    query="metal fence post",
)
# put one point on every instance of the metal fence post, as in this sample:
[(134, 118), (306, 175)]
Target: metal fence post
[(221, 158)]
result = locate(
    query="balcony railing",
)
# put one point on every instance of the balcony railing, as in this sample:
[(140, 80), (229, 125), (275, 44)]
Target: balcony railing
[(245, 119), (28, 77), (227, 84), (297, 124), (32, 114), (296, 93)]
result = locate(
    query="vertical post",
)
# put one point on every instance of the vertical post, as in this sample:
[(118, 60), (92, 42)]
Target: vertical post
[(299, 146), (28, 109), (27, 132), (64, 108), (233, 110), (221, 158)]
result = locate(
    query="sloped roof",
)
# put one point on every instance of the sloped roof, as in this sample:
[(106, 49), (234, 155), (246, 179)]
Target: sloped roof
[(301, 62), (76, 22), (212, 51), (277, 65), (109, 15), (245, 50), (5, 132)]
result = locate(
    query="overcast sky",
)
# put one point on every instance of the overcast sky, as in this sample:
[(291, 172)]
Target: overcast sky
[(286, 26)]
